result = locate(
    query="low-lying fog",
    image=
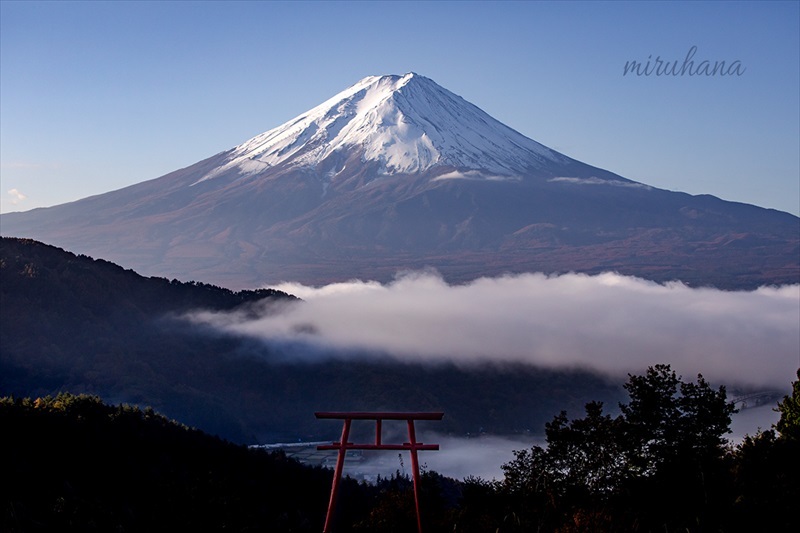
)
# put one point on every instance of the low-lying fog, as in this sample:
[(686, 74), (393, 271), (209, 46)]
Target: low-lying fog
[(609, 323)]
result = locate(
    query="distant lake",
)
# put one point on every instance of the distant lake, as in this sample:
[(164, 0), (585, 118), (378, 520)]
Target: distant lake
[(482, 456)]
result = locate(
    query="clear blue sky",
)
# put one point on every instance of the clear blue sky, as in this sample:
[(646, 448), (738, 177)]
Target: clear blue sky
[(95, 96)]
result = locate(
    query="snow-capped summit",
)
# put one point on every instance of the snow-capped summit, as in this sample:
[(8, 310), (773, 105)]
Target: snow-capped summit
[(407, 124)]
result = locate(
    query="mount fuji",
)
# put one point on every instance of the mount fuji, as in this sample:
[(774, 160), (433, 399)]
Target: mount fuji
[(396, 173)]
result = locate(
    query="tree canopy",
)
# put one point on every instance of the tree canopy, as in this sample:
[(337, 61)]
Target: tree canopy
[(662, 464)]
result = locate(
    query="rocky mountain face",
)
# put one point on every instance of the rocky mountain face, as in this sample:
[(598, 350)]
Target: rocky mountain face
[(398, 173)]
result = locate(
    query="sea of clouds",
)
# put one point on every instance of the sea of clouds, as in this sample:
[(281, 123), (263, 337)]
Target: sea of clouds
[(609, 323)]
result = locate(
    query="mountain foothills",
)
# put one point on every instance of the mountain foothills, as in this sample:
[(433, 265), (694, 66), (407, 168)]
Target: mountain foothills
[(397, 173), (73, 323)]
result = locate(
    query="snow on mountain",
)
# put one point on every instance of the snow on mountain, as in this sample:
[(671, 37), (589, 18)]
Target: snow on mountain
[(407, 124)]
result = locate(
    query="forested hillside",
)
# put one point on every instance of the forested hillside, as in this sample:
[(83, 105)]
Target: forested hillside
[(87, 325), (73, 323), (72, 463)]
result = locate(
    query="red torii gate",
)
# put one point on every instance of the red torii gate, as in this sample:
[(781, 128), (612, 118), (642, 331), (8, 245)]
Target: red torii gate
[(343, 445)]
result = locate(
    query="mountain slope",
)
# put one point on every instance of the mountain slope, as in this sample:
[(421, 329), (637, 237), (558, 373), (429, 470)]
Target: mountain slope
[(397, 172)]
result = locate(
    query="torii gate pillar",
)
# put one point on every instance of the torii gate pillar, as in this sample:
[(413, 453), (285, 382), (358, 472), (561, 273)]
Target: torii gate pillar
[(344, 444)]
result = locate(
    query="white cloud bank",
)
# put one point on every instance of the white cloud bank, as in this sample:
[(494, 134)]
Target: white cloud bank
[(610, 323), (475, 175), (597, 181)]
